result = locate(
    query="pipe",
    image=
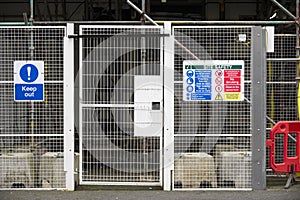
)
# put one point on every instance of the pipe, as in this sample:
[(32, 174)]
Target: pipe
[(284, 9), (31, 11), (141, 12), (174, 22), (12, 23), (230, 22)]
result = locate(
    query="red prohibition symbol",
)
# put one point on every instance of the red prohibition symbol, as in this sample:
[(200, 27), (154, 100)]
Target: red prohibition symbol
[(219, 88), (219, 73), (218, 81)]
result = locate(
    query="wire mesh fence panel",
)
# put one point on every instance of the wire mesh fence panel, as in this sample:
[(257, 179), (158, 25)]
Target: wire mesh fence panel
[(281, 90), (212, 138), (120, 104), (32, 133)]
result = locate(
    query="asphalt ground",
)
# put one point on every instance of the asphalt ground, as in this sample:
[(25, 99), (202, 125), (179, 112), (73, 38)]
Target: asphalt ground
[(119, 193)]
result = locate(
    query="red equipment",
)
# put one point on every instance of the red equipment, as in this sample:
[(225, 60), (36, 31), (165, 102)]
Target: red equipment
[(290, 164)]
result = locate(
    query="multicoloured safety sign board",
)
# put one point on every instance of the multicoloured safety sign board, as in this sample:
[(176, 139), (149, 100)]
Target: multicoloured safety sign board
[(213, 80)]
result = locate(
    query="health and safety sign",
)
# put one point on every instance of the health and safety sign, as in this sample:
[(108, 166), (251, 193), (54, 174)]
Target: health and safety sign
[(213, 80), (29, 80)]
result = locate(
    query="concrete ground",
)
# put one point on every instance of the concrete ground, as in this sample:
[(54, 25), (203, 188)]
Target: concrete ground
[(119, 193)]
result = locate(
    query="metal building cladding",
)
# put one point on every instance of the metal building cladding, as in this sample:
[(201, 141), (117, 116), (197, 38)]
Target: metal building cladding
[(181, 105)]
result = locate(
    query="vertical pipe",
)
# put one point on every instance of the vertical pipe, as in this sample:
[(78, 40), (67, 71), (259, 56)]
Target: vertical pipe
[(144, 5), (31, 11), (143, 20)]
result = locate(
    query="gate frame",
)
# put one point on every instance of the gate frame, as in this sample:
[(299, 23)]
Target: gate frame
[(68, 105), (69, 108), (257, 110), (168, 133), (81, 105)]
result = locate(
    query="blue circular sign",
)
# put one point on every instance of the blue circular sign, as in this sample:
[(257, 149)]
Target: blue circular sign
[(189, 88), (29, 73), (189, 81), (190, 73)]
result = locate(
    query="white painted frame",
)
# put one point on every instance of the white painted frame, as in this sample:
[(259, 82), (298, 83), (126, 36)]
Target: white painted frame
[(69, 108), (168, 133), (68, 96), (81, 105)]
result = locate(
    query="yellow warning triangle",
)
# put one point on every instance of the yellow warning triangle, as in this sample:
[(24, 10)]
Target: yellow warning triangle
[(218, 97)]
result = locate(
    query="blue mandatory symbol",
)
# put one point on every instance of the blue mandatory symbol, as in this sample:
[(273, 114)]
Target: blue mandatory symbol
[(189, 88), (189, 81), (29, 73), (190, 73)]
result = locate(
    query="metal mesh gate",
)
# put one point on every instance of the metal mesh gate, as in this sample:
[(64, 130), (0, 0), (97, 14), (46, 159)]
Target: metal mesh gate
[(32, 133), (120, 104), (282, 91), (212, 139)]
